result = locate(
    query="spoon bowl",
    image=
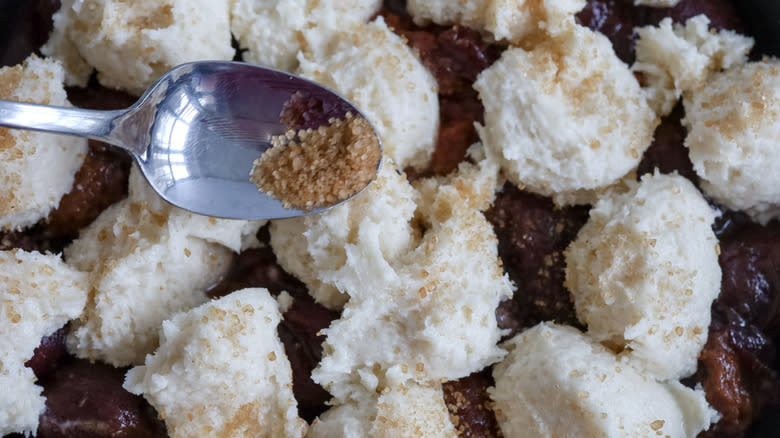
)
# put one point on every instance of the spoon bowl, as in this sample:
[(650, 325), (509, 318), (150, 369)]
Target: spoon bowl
[(196, 132)]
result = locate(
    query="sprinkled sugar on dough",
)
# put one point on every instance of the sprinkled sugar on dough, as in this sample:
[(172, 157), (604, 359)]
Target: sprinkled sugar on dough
[(512, 20), (221, 371), (38, 295), (585, 123), (733, 138), (675, 58), (414, 267), (411, 410), (373, 68), (273, 31), (644, 271), (558, 382), (312, 247), (131, 44), (36, 169), (146, 259), (427, 316), (429, 313), (270, 30)]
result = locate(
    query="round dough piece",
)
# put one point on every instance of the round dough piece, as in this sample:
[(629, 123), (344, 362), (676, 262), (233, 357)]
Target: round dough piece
[(644, 271), (558, 382), (733, 138), (132, 43), (271, 31), (566, 115), (36, 169)]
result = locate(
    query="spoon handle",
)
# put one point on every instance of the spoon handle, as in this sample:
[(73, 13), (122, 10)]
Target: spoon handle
[(98, 125)]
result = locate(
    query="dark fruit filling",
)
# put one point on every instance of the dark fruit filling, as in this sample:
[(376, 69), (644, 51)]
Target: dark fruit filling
[(86, 400), (738, 367), (667, 153), (311, 112), (101, 181), (469, 405), (617, 19), (48, 356), (455, 55), (532, 235)]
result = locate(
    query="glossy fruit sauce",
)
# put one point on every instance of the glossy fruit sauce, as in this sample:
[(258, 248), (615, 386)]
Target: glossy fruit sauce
[(738, 367)]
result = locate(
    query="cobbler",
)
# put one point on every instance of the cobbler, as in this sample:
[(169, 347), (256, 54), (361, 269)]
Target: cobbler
[(537, 242)]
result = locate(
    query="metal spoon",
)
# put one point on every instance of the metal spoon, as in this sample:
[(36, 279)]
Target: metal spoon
[(194, 133)]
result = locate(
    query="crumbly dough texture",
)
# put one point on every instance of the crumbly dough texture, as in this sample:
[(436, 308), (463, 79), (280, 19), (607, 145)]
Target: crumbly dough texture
[(273, 31), (428, 314), (644, 272), (733, 138), (414, 268), (585, 121), (146, 259), (313, 247), (36, 169), (221, 371), (38, 295), (131, 44), (675, 58), (511, 20), (316, 168), (375, 69), (558, 382), (411, 410)]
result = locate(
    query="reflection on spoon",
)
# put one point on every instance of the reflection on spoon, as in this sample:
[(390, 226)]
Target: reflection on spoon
[(198, 129)]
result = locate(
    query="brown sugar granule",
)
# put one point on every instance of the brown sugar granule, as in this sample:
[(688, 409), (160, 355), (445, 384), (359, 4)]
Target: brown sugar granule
[(310, 168)]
